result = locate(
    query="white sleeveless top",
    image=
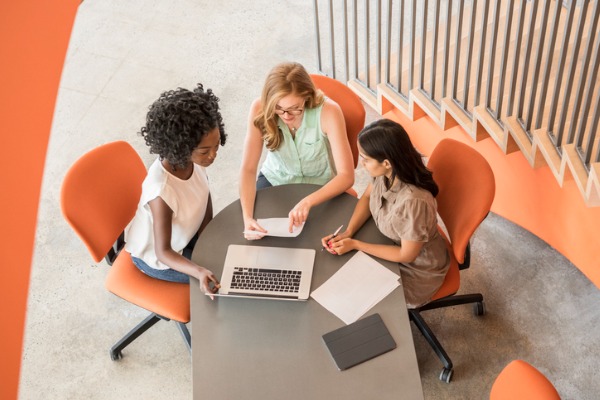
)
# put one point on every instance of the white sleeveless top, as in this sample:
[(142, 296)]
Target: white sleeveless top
[(187, 198)]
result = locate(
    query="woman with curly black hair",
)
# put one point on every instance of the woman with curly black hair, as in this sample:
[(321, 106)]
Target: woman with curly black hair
[(401, 200), (185, 129)]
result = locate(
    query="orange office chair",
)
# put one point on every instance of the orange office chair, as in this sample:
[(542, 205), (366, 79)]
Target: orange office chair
[(352, 108), (520, 380), (466, 191), (349, 102), (99, 197)]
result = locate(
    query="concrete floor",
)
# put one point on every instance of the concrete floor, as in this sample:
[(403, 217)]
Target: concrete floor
[(121, 57)]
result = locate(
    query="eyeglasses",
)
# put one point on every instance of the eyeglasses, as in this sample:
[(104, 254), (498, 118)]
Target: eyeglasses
[(294, 112)]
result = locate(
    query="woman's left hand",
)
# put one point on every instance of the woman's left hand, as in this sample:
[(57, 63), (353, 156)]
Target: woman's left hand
[(299, 214)]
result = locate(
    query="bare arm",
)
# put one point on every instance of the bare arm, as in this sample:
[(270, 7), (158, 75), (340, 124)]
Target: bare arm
[(343, 243), (360, 215), (405, 253), (208, 215), (332, 123), (162, 216), (253, 145)]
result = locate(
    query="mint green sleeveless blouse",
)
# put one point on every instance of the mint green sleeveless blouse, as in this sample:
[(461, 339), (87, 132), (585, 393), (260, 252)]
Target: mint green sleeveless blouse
[(303, 159)]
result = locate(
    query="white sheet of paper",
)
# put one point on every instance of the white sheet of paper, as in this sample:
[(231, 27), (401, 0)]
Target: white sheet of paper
[(355, 288), (277, 227)]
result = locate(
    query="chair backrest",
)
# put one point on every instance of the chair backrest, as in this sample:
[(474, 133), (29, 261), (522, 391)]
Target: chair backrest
[(349, 102), (520, 380), (467, 189), (100, 192)]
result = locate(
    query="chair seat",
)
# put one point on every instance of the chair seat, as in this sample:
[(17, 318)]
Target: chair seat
[(168, 299), (520, 380)]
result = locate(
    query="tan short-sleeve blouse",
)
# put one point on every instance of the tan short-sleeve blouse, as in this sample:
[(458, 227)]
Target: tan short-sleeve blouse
[(406, 212)]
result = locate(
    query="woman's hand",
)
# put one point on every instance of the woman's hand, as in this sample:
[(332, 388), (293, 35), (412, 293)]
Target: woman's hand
[(299, 214), (250, 224), (341, 246), (329, 241), (208, 282)]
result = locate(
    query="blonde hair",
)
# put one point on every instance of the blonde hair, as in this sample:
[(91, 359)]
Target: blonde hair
[(285, 79)]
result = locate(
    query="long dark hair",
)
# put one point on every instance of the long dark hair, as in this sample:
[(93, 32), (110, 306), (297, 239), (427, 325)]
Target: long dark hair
[(387, 140)]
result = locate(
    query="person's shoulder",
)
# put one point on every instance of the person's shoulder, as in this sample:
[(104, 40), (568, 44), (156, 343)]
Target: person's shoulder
[(330, 112), (419, 193), (256, 106), (419, 198), (330, 106), (154, 182), (156, 170)]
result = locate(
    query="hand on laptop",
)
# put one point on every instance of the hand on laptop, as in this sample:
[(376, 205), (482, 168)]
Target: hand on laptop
[(208, 282)]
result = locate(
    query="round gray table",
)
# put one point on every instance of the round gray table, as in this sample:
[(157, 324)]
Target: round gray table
[(273, 349)]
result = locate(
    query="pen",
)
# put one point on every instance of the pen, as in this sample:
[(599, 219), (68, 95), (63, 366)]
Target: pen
[(334, 235)]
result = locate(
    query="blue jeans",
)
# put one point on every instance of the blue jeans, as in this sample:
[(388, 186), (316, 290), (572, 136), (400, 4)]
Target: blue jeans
[(262, 182), (169, 275)]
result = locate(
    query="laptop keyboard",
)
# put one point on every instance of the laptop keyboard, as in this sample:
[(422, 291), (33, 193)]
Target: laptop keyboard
[(269, 280)]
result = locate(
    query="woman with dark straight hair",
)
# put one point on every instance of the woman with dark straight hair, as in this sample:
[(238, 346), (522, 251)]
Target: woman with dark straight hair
[(401, 200)]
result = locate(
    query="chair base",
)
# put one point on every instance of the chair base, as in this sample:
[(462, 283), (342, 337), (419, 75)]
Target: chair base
[(147, 323), (417, 319), (187, 338)]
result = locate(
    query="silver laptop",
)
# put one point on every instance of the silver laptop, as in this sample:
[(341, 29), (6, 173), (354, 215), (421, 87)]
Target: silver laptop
[(267, 272)]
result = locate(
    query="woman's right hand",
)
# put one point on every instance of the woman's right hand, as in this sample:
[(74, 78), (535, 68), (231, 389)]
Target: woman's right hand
[(251, 226), (208, 282), (329, 240)]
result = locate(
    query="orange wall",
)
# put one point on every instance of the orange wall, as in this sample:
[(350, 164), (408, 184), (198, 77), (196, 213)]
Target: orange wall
[(528, 197), (33, 42)]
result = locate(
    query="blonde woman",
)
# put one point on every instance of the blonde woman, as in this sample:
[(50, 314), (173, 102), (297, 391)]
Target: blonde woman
[(305, 136)]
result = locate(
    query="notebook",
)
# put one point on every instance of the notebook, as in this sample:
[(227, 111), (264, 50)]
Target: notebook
[(267, 272), (358, 342)]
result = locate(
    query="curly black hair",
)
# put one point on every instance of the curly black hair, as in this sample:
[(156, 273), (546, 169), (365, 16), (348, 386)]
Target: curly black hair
[(178, 120)]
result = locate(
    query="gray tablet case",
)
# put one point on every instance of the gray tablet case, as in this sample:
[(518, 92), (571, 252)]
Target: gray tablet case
[(358, 342)]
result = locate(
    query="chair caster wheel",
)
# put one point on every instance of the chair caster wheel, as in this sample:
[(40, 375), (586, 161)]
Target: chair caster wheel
[(446, 375), (479, 309), (115, 355)]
